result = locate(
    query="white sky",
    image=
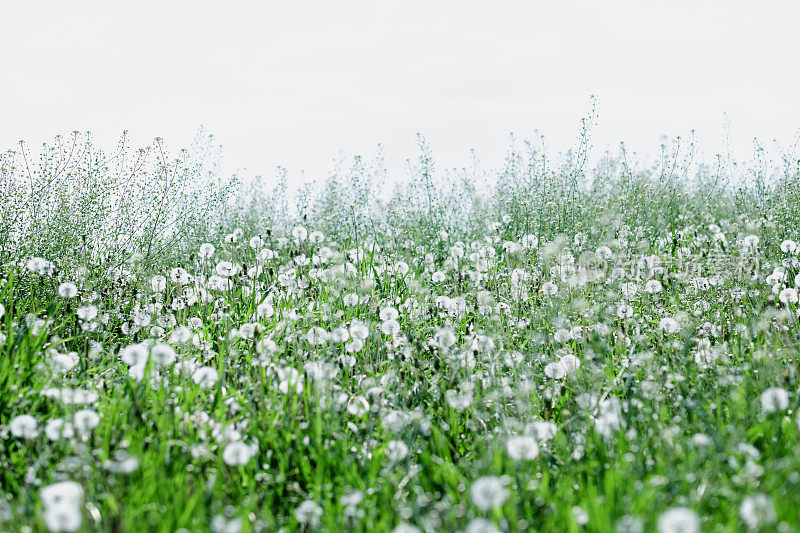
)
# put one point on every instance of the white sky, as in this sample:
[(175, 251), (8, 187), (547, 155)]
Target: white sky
[(293, 83)]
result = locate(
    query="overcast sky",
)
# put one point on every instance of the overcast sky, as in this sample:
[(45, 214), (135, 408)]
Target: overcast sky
[(295, 83)]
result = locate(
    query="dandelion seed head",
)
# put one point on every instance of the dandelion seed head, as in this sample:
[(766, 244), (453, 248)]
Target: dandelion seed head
[(488, 492), (678, 520), (522, 448), (67, 290)]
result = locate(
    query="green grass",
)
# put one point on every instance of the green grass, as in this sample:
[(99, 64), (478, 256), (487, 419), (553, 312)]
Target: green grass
[(397, 431)]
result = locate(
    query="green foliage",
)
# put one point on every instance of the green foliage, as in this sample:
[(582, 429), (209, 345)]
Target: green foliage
[(81, 206), (546, 347)]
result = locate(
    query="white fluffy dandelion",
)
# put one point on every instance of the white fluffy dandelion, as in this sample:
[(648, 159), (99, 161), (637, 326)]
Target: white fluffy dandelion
[(67, 290), (396, 450), (488, 492), (24, 427), (62, 506), (308, 513), (238, 453), (206, 250), (653, 286), (205, 377), (774, 399), (522, 448), (757, 511), (317, 336), (679, 520)]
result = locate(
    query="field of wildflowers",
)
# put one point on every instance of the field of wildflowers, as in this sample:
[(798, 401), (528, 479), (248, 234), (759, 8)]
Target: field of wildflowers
[(546, 347)]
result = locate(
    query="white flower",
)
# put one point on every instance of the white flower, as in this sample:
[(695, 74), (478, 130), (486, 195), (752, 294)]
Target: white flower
[(482, 343), (603, 252), (62, 506), (67, 290), (757, 511), (123, 463), (221, 524), (238, 453), (316, 336), (390, 327), (602, 329), (64, 362), (24, 427), (206, 250), (62, 518), (358, 406), (562, 336), (358, 330), (61, 493), (308, 512), (299, 233), (226, 269), (788, 295), (85, 421), (458, 401), (570, 363), (549, 288), (135, 355), (669, 325), (395, 421), (629, 289), (481, 525), (265, 310), (774, 399), (256, 243), (205, 376), (56, 428), (396, 450), (679, 520), (266, 255), (624, 311), (701, 440), (179, 275), (340, 334), (41, 266), (290, 378), (158, 283), (630, 524), (354, 346), (352, 499), (580, 515), (180, 335), (141, 318), (653, 286), (266, 346), (788, 246), (555, 370), (163, 354), (488, 492), (542, 430), (522, 448), (444, 338), (389, 313), (86, 312)]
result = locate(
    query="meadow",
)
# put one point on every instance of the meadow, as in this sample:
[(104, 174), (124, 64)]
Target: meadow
[(561, 344)]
